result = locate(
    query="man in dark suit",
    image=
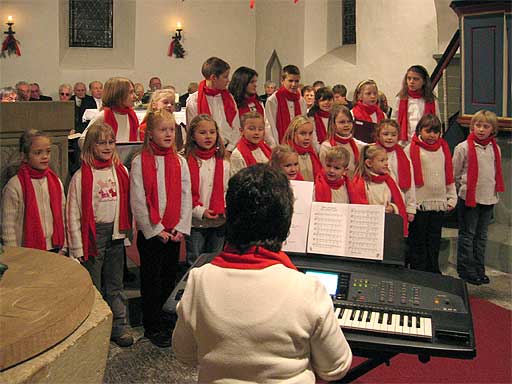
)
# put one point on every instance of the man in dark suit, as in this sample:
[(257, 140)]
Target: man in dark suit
[(35, 93), (82, 102), (192, 87)]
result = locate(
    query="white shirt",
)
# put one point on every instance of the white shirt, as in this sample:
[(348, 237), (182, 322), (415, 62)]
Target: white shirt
[(123, 127), (271, 112), (415, 109)]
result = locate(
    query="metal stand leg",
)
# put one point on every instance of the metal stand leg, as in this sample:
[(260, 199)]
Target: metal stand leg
[(366, 367)]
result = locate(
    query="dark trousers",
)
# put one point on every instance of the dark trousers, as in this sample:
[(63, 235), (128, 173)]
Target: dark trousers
[(204, 240), (158, 268), (472, 240), (425, 240), (106, 272)]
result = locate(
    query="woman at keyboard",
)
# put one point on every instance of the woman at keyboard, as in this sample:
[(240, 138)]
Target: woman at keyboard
[(250, 316)]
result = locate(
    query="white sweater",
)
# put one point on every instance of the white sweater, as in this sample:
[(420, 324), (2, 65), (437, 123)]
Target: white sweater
[(274, 325), (352, 162), (271, 112), (415, 109), (237, 161)]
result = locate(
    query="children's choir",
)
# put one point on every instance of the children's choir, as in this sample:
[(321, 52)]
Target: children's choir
[(173, 197)]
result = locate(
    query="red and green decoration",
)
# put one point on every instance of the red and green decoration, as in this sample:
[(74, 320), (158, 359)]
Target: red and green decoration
[(11, 46), (176, 49)]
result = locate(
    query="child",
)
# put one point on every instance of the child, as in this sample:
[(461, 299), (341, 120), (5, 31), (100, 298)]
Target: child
[(383, 104), (209, 174), (251, 148), (380, 187), (320, 113), (161, 202), (479, 176), (213, 98), (99, 219), (367, 108), (332, 185), (339, 132), (414, 100), (299, 136), (285, 104), (118, 98), (308, 93), (160, 99), (386, 136), (435, 192), (286, 159), (33, 201), (339, 92), (243, 86)]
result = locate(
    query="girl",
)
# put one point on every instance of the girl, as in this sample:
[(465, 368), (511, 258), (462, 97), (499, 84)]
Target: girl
[(379, 186), (320, 114), (435, 192), (308, 93), (286, 159), (299, 136), (99, 220), (386, 136), (332, 185), (339, 131), (414, 100), (209, 173), (118, 98), (479, 177), (243, 87), (383, 104), (367, 108), (161, 202), (251, 148), (161, 99), (33, 201)]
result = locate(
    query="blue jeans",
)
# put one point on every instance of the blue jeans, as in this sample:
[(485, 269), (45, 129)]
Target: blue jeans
[(204, 240), (473, 226)]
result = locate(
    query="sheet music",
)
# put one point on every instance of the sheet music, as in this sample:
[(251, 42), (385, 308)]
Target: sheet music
[(297, 238), (350, 230)]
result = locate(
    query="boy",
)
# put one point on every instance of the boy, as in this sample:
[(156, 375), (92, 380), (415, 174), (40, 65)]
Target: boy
[(251, 148), (213, 98), (340, 95), (286, 103), (332, 185)]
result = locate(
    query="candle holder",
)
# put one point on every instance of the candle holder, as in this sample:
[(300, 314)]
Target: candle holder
[(10, 44), (176, 48)]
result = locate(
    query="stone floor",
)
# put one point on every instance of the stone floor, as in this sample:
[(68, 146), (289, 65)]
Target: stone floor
[(145, 363)]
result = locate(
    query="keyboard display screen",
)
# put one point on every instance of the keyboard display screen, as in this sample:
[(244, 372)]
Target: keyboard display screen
[(328, 279)]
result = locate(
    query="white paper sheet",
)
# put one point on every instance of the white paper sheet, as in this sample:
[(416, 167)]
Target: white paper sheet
[(297, 238)]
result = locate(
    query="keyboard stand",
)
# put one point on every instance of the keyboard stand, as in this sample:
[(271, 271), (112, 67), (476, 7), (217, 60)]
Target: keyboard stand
[(366, 366)]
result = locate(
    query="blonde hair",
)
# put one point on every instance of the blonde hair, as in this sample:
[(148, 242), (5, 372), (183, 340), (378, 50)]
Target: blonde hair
[(295, 124), (337, 153), (280, 152), (156, 96), (487, 117), (367, 153), (360, 87), (95, 133), (26, 139), (191, 145), (115, 91), (154, 119), (335, 111), (383, 123), (250, 115)]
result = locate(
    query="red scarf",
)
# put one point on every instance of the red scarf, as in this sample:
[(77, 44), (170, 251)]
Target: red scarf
[(33, 234), (338, 139), (321, 130), (217, 203), (472, 177), (251, 100), (315, 161), (142, 130), (283, 113), (324, 187), (363, 112), (110, 119), (404, 167), (403, 108), (172, 179), (246, 147), (416, 160), (256, 257), (227, 100), (358, 191), (396, 197), (88, 224)]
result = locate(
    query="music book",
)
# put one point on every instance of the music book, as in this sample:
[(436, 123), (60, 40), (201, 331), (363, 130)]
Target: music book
[(303, 195)]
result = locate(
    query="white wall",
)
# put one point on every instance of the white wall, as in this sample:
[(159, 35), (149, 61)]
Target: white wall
[(223, 28)]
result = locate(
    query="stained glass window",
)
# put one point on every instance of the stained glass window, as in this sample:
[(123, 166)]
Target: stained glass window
[(349, 21), (91, 23)]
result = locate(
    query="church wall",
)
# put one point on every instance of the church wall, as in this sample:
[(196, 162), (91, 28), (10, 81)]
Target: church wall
[(224, 28)]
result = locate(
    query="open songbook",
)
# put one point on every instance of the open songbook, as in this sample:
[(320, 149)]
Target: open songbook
[(348, 230)]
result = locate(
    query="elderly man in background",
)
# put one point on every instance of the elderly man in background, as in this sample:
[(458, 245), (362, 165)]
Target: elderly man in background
[(8, 95), (96, 90), (35, 93), (23, 90)]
